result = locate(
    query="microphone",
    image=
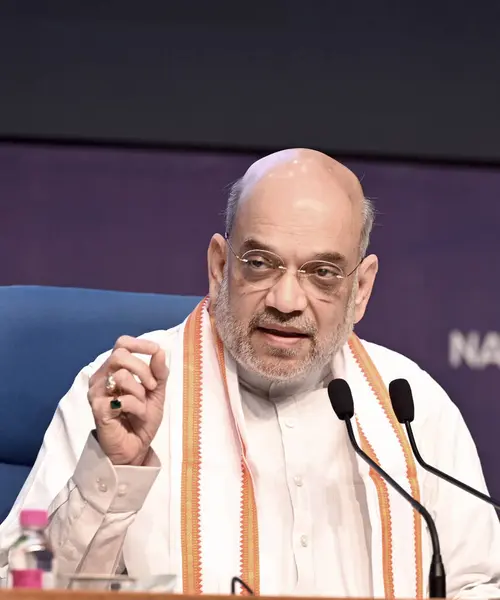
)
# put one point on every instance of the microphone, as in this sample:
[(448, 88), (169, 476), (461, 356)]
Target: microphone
[(404, 409), (341, 400)]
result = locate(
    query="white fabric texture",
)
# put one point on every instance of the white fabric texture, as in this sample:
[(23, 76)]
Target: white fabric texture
[(317, 524)]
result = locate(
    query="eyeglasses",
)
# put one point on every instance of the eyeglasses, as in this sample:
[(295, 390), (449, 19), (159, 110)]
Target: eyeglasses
[(262, 269)]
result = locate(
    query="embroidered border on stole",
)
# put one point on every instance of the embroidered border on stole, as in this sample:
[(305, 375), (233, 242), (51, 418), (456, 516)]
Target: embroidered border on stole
[(191, 460), (379, 389), (385, 512), (249, 530)]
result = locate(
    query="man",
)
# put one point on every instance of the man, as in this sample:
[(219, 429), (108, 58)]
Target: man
[(211, 450)]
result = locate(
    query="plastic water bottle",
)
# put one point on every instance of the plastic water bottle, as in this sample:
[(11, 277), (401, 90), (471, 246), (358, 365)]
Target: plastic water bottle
[(31, 560)]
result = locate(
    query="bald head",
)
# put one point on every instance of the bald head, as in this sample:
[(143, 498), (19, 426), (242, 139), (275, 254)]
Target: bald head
[(300, 167)]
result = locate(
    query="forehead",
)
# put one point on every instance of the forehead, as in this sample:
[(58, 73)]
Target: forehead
[(301, 212)]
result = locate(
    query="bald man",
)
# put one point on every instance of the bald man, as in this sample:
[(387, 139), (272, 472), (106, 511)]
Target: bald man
[(211, 450)]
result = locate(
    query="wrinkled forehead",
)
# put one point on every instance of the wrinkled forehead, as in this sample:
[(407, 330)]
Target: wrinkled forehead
[(296, 202)]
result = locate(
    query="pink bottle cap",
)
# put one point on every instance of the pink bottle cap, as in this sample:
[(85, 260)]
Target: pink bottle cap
[(34, 518)]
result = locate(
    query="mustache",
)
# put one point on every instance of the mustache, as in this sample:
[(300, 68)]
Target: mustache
[(268, 319)]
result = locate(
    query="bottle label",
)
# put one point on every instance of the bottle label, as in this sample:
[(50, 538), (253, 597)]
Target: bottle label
[(27, 578), (32, 578)]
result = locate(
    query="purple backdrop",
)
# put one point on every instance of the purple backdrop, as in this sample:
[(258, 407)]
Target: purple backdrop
[(141, 220)]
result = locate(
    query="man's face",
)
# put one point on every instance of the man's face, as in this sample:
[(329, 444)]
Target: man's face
[(279, 323)]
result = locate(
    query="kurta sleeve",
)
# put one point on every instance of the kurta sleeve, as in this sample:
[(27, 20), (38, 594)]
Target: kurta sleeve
[(468, 528), (91, 502)]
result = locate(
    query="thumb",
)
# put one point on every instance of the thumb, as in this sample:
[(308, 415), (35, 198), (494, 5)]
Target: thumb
[(159, 368)]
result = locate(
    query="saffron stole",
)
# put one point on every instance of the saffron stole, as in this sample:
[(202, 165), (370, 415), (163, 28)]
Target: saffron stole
[(249, 532)]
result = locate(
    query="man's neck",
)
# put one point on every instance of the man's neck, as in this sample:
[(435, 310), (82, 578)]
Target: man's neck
[(261, 386)]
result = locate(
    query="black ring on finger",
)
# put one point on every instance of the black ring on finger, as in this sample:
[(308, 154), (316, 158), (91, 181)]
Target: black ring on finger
[(115, 404)]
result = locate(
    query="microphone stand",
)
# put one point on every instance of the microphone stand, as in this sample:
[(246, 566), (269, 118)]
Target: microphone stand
[(437, 575), (448, 478)]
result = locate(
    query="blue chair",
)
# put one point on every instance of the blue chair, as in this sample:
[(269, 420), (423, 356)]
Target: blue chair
[(47, 335)]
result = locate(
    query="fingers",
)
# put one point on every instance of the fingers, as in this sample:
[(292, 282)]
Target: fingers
[(136, 345), (132, 375), (159, 368), (122, 358), (126, 383)]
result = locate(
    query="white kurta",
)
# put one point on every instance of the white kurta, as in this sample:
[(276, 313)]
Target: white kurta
[(308, 495), (313, 521)]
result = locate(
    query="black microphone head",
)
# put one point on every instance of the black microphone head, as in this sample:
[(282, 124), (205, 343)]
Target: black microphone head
[(340, 396), (402, 400)]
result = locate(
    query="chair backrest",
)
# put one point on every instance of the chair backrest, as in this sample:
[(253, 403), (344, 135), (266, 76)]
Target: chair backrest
[(47, 335)]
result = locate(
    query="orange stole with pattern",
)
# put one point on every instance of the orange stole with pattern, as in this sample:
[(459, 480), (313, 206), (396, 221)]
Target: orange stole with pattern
[(381, 393), (249, 534), (191, 460)]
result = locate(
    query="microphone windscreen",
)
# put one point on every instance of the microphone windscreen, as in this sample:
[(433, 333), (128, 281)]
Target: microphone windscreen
[(402, 400), (340, 396)]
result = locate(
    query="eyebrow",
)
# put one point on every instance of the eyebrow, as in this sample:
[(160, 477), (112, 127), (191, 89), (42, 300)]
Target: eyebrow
[(255, 244)]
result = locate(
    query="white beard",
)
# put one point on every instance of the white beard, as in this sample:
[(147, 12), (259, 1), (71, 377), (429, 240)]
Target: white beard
[(236, 338)]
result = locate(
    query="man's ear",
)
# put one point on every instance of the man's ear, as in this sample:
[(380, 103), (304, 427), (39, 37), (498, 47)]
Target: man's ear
[(216, 257), (366, 278)]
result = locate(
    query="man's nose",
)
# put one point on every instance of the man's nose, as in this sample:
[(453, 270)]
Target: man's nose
[(287, 295)]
